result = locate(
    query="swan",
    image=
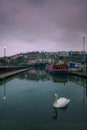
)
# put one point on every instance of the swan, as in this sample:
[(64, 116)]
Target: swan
[(61, 102)]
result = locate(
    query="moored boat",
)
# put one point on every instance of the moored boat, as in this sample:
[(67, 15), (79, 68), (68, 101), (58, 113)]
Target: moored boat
[(57, 69)]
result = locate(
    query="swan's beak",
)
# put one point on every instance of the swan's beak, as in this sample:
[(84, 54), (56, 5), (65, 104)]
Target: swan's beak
[(53, 95)]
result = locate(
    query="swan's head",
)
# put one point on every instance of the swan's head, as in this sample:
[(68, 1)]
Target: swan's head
[(55, 95)]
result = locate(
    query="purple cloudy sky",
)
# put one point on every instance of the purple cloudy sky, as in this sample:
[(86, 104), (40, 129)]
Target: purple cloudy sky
[(42, 25)]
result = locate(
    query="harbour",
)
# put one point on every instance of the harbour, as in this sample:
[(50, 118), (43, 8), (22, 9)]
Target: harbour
[(26, 101), (11, 71), (43, 65)]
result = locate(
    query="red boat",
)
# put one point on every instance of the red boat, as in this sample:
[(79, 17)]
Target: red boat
[(57, 69)]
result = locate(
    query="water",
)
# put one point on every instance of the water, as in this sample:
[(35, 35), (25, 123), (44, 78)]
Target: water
[(26, 102)]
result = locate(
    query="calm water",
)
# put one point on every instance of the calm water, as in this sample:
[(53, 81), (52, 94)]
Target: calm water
[(26, 102)]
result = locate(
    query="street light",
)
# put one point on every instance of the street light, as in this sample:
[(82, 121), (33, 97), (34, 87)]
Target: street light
[(4, 97), (84, 47), (4, 54), (4, 51)]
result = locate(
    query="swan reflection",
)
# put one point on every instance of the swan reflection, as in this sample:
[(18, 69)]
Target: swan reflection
[(55, 115)]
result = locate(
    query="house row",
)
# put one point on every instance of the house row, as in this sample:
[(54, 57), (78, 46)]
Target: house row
[(39, 57)]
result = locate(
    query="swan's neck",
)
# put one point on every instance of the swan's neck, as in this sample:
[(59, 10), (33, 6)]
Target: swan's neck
[(56, 98)]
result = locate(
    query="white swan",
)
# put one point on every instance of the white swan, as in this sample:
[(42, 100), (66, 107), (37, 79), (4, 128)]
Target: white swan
[(61, 102)]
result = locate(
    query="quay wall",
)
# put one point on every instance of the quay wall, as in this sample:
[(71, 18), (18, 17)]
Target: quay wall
[(6, 69), (8, 72)]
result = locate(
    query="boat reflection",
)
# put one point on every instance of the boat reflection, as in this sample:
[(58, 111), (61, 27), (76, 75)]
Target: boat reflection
[(60, 78), (41, 74)]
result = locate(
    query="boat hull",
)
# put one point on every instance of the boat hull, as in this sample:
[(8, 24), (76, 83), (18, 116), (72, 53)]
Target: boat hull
[(58, 69), (58, 72)]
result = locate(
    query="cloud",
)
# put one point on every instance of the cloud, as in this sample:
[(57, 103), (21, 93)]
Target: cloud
[(43, 24)]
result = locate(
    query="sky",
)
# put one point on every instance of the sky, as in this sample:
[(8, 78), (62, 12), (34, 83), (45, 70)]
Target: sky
[(42, 25)]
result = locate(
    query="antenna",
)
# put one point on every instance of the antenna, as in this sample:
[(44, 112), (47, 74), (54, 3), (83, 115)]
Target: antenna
[(84, 47)]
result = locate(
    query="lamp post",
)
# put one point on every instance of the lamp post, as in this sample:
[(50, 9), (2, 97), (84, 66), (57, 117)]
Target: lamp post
[(4, 54), (4, 97), (84, 47), (84, 57)]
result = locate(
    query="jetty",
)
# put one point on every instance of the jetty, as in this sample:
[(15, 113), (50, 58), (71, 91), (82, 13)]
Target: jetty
[(11, 71), (80, 74)]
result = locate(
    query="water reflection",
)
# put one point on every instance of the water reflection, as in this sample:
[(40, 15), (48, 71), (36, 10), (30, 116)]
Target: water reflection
[(55, 116), (60, 79), (35, 74), (41, 74), (86, 88), (4, 96), (55, 113), (3, 84), (79, 81)]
